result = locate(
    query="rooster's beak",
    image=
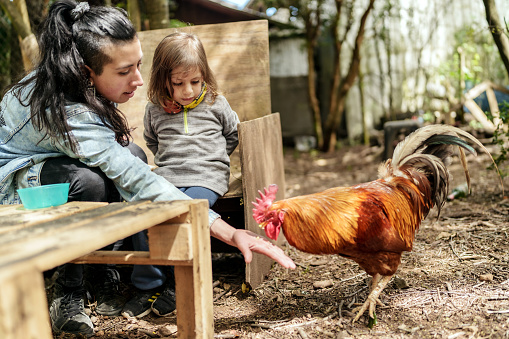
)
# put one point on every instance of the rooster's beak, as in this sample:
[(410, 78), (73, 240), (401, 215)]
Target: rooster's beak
[(262, 225)]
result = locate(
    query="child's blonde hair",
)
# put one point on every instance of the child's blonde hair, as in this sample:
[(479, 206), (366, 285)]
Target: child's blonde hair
[(176, 50)]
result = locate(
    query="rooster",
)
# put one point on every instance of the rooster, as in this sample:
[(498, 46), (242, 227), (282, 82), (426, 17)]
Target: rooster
[(374, 222)]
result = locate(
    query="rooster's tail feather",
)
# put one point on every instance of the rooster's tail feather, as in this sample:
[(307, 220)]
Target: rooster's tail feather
[(430, 149), (434, 139)]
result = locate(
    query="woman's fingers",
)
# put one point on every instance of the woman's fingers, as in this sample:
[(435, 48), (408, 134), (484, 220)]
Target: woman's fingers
[(249, 242)]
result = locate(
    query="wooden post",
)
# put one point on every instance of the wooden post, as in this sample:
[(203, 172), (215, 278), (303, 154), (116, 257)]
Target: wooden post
[(262, 164), (193, 284), (23, 304), (492, 101)]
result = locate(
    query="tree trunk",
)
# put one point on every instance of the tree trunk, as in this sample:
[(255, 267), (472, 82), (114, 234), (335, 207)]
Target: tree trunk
[(336, 73), (29, 51), (334, 119), (17, 12), (365, 132), (378, 53), (16, 17), (312, 22), (133, 9), (158, 13), (313, 100), (388, 51), (497, 30)]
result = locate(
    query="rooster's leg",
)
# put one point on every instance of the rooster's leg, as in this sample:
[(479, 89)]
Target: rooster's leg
[(372, 286), (377, 285)]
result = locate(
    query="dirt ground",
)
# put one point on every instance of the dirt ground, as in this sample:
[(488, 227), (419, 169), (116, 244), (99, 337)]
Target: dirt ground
[(454, 284)]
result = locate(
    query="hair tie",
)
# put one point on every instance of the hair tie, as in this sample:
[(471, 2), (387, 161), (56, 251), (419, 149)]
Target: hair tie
[(80, 10)]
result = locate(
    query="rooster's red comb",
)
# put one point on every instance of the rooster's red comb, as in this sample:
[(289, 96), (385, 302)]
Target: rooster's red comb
[(263, 203)]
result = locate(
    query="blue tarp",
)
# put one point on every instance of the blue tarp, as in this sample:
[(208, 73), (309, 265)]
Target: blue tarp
[(482, 100)]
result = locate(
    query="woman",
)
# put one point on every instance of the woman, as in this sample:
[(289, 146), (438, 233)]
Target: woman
[(60, 124)]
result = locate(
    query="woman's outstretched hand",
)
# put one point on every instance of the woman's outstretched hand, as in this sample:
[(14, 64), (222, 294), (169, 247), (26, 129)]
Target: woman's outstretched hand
[(248, 242)]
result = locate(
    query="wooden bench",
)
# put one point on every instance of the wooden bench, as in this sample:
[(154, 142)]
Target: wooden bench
[(33, 241), (238, 54)]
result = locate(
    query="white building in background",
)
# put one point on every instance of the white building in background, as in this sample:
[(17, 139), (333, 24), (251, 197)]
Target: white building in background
[(420, 42)]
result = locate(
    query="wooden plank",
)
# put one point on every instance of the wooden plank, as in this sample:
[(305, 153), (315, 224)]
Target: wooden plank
[(82, 236), (8, 207), (492, 101), (129, 258), (23, 304), (67, 216), (235, 188), (479, 115), (238, 54), (16, 216), (475, 91), (167, 241), (261, 156), (235, 184), (184, 296), (193, 285), (202, 272)]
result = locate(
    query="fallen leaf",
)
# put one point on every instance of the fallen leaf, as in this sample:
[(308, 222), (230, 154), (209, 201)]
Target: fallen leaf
[(444, 235), (486, 277), (319, 262), (246, 287), (168, 330), (323, 284)]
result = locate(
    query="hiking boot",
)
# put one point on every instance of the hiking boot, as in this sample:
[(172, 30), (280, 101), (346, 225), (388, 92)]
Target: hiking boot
[(140, 305), (107, 293), (165, 303), (67, 311)]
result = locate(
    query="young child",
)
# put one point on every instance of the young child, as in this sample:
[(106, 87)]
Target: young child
[(189, 126), (192, 130)]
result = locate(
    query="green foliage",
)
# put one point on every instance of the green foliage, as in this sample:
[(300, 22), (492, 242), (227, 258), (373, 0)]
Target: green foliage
[(481, 59), (177, 23), (5, 48), (428, 117), (501, 136)]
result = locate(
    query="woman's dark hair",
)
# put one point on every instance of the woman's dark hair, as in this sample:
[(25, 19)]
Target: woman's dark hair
[(74, 35)]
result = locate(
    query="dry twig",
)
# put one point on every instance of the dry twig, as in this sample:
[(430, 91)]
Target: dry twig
[(225, 336), (302, 333), (220, 295), (454, 251)]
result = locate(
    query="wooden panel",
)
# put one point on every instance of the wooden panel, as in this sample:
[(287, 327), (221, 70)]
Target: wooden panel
[(167, 241), (261, 156), (23, 304), (238, 54)]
